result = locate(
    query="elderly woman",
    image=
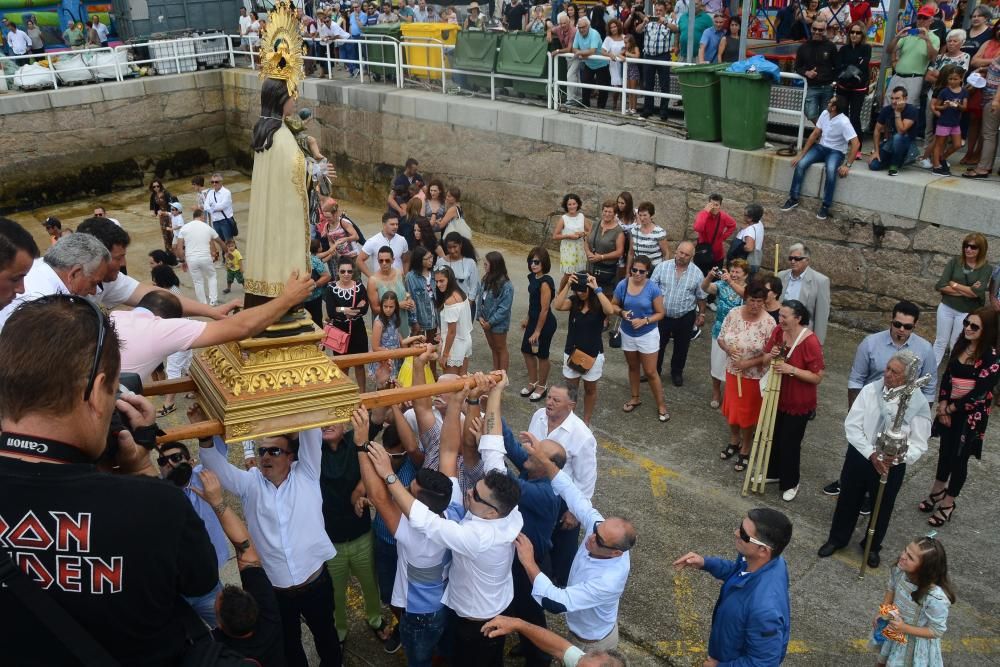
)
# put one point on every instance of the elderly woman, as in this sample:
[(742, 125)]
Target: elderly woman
[(743, 339), (964, 402), (802, 370), (604, 246), (728, 287), (963, 285), (33, 31)]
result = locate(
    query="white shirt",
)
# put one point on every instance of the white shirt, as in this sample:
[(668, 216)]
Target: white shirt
[(285, 522), (41, 280), (580, 445), (480, 584), (837, 131), (19, 42), (330, 32), (756, 232), (198, 238), (871, 413), (219, 203), (244, 24), (595, 585), (421, 567), (397, 243), (176, 222), (115, 292), (102, 31)]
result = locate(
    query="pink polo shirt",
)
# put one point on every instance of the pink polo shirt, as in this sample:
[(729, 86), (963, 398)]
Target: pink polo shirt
[(147, 339)]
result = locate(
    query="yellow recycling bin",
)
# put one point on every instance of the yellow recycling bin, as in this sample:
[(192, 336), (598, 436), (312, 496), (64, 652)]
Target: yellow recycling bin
[(429, 56)]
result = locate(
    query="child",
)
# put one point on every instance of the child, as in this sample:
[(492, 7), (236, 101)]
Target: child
[(385, 334), (632, 75), (176, 218), (178, 363), (234, 265), (948, 106), (919, 588)]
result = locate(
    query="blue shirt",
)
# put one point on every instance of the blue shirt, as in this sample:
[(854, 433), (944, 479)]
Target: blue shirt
[(711, 40), (591, 41), (539, 504), (951, 116), (209, 517), (640, 304), (319, 266), (680, 292), (874, 353)]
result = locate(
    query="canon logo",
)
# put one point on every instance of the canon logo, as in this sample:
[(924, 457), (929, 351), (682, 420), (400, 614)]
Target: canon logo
[(30, 445)]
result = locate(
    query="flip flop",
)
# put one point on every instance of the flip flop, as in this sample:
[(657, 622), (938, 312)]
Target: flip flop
[(631, 405), (166, 410), (664, 417), (975, 174)]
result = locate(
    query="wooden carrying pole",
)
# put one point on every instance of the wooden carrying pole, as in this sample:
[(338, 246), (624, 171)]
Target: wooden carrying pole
[(372, 399), (760, 451)]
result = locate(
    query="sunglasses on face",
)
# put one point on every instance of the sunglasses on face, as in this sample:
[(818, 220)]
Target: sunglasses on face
[(270, 451), (179, 457), (751, 540), (793, 258), (346, 272), (638, 272), (970, 246), (479, 499), (216, 182), (532, 262), (856, 32), (972, 326), (896, 324), (597, 537), (384, 261)]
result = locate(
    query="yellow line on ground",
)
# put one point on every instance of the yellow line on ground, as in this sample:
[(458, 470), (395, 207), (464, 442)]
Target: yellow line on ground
[(658, 475)]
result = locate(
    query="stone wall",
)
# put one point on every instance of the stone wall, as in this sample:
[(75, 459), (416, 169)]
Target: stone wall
[(76, 142), (512, 186)]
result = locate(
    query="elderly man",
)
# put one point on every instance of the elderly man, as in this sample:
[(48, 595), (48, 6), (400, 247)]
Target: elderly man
[(18, 251), (816, 60), (75, 265), (803, 283), (752, 620), (329, 32), (593, 71), (870, 415), (479, 583), (684, 302), (911, 54), (600, 567), (284, 511), (219, 205), (557, 421)]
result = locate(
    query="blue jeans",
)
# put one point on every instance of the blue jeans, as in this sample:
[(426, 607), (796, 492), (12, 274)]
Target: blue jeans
[(224, 228), (204, 605), (349, 51), (832, 159), (420, 634), (893, 152), (817, 97)]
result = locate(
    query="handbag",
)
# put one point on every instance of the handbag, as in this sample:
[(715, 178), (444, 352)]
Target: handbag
[(767, 374), (580, 361), (458, 224), (336, 339), (704, 257)]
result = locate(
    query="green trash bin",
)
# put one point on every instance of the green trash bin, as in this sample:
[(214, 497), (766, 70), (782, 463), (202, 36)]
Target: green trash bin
[(525, 54), (382, 53), (476, 51), (700, 95), (745, 100)]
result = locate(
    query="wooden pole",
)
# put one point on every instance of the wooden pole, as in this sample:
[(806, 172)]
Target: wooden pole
[(777, 253)]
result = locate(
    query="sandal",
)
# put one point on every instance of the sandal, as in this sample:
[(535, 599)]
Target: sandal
[(742, 461), (728, 452), (166, 410), (528, 391), (927, 506), (382, 627), (942, 516), (714, 404), (538, 395), (631, 404), (975, 174), (664, 417)]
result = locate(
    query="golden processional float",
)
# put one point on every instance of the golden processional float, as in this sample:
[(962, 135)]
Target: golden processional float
[(280, 381)]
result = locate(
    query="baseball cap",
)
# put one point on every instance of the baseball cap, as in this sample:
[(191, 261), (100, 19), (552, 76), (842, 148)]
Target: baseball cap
[(177, 205), (926, 10)]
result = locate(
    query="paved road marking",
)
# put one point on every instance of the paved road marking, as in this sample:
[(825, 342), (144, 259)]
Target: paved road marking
[(658, 475)]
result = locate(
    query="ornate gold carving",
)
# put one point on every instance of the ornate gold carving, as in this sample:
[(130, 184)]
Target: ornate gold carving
[(240, 430), (281, 48), (263, 288)]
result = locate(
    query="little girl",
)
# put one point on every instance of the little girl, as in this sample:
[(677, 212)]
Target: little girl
[(948, 106), (385, 334), (919, 587), (178, 363), (632, 73)]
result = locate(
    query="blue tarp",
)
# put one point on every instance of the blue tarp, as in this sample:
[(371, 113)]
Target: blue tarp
[(758, 64)]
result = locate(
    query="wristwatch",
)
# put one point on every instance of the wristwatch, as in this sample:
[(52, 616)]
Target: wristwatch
[(390, 479), (363, 447)]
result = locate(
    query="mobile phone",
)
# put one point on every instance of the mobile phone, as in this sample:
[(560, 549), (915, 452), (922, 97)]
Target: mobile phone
[(913, 32)]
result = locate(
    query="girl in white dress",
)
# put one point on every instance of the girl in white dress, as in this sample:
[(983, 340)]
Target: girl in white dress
[(456, 322)]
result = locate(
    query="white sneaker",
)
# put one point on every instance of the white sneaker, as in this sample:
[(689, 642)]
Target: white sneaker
[(712, 307), (213, 304), (789, 495), (926, 164)]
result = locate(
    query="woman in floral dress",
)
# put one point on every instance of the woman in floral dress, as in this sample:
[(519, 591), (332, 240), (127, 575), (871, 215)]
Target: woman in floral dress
[(570, 232)]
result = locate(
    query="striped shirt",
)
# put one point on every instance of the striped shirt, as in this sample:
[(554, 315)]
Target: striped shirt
[(406, 474), (680, 292), (648, 244), (658, 39)]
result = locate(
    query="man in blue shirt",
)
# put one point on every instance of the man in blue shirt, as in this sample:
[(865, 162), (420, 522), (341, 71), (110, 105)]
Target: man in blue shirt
[(586, 44), (708, 46), (895, 130), (752, 620), (355, 22)]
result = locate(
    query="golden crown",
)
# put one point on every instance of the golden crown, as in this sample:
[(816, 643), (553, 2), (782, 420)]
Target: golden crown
[(281, 48)]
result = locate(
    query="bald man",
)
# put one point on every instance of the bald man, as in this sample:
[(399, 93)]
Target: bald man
[(684, 305)]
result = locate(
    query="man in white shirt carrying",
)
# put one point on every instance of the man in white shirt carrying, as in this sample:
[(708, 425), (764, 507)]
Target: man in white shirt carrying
[(558, 421), (193, 246), (480, 585), (387, 237), (219, 206), (600, 567), (832, 142), (283, 506), (18, 41)]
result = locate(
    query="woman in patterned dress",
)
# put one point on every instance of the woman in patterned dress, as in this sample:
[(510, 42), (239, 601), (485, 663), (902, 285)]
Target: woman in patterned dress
[(728, 287), (570, 231)]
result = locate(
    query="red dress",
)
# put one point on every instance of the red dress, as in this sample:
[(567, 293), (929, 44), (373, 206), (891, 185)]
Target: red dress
[(798, 397)]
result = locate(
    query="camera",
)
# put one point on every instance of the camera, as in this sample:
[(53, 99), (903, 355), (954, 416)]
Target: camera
[(127, 383), (581, 282), (716, 271)]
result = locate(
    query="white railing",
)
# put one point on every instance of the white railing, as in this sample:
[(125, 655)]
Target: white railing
[(184, 56)]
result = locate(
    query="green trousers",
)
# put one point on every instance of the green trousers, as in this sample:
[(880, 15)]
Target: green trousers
[(357, 558)]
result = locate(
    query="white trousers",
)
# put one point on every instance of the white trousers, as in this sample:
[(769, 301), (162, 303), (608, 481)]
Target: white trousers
[(949, 328), (203, 270)]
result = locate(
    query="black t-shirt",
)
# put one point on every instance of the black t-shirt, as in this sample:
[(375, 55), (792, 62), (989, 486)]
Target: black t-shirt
[(339, 474), (887, 117), (514, 15), (585, 331), (115, 551), (266, 644)]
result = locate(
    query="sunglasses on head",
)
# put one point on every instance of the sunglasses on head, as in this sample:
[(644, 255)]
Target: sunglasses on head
[(479, 499), (902, 325), (272, 451), (179, 457), (971, 325), (638, 272), (970, 246), (751, 540), (102, 326)]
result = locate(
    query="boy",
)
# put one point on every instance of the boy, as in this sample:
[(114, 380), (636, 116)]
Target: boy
[(234, 265)]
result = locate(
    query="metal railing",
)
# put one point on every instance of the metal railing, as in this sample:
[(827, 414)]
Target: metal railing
[(182, 54)]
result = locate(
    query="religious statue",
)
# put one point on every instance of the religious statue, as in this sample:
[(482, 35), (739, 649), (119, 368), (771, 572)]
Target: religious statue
[(284, 176)]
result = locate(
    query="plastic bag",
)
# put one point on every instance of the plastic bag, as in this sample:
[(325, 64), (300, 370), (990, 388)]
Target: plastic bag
[(758, 64)]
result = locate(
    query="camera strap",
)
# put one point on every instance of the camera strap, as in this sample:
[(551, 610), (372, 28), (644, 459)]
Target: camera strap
[(42, 448)]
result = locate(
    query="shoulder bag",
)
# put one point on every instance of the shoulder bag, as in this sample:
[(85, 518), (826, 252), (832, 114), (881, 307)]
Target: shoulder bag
[(336, 339)]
